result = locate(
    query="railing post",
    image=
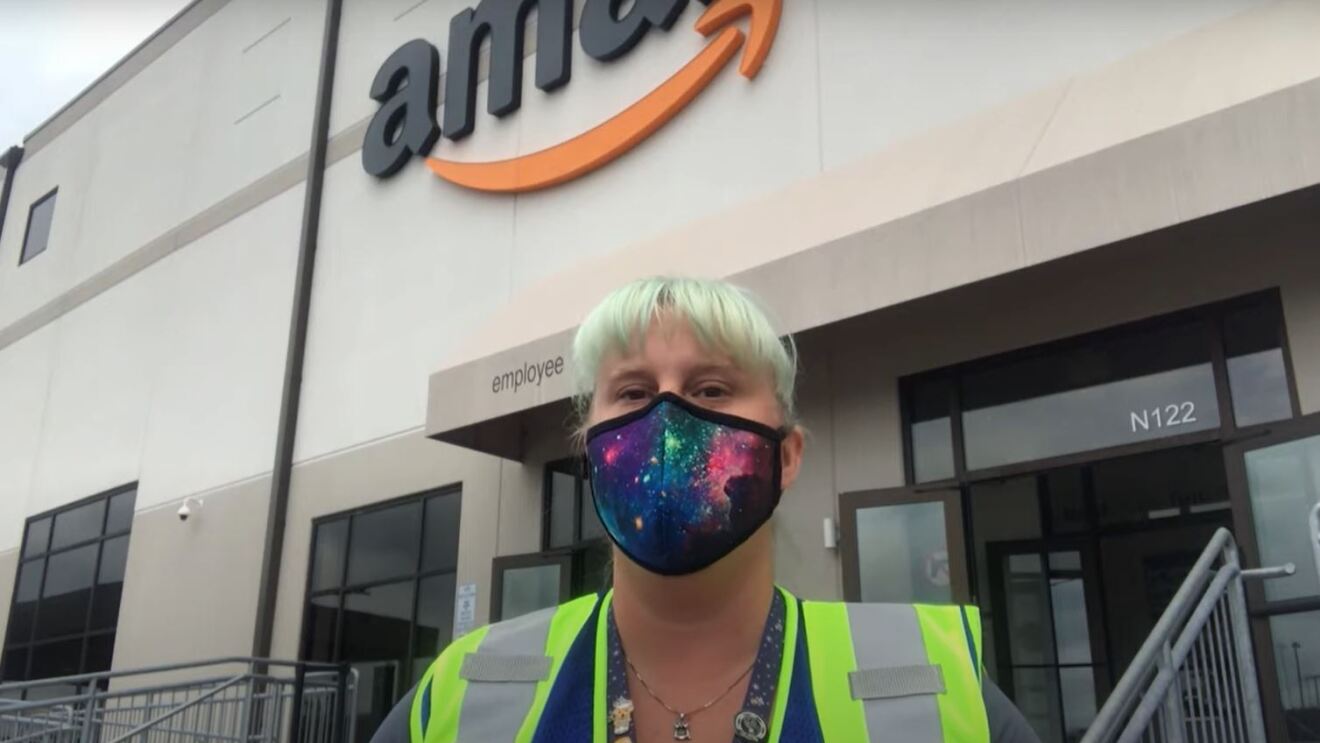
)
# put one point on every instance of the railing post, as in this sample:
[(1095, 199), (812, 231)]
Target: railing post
[(1315, 536), (245, 711), (1248, 683), (1175, 725), (295, 721), (89, 714)]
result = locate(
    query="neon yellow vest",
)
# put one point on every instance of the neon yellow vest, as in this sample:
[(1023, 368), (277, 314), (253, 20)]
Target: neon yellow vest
[(875, 670)]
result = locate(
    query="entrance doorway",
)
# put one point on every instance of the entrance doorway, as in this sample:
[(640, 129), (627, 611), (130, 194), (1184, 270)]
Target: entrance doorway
[(1074, 566)]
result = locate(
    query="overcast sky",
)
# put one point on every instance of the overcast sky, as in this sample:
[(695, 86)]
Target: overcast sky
[(51, 49)]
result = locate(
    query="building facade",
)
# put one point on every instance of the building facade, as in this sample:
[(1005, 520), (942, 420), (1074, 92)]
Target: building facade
[(1053, 269)]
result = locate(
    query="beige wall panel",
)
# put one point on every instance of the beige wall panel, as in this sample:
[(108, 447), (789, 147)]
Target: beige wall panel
[(190, 587), (389, 468), (802, 563)]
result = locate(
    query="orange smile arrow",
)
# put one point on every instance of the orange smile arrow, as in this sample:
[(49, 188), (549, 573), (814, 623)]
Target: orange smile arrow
[(601, 145)]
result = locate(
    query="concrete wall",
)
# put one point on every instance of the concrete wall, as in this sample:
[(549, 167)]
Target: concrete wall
[(191, 587)]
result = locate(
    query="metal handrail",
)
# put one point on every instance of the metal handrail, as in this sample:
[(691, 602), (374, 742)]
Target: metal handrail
[(267, 701), (1191, 646)]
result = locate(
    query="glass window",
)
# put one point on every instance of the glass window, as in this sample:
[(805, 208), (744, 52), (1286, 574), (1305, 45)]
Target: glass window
[(14, 666), (109, 583), (563, 509), (440, 551), (385, 543), (394, 614), (322, 621), (59, 658), (38, 537), (37, 236), (1283, 482), (120, 517), (1257, 374), (931, 428), (1296, 640), (78, 525), (377, 621), (67, 592), (529, 589), (1134, 388), (25, 601), (68, 589), (903, 553), (435, 621), (328, 550)]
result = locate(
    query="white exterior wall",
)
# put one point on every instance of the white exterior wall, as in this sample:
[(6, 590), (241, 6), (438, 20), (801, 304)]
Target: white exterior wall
[(169, 376), (844, 79)]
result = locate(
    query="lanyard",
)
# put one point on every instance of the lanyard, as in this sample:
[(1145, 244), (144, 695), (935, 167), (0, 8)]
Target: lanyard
[(752, 723)]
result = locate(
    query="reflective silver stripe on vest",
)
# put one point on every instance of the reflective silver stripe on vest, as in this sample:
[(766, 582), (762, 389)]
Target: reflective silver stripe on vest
[(888, 636), (493, 711)]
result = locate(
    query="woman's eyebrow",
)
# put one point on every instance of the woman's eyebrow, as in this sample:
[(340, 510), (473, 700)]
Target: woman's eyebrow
[(715, 368)]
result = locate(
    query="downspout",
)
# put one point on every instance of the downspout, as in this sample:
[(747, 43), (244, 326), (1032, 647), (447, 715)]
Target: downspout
[(10, 159), (293, 365)]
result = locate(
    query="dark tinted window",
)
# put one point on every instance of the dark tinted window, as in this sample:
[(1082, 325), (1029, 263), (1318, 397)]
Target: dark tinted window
[(399, 594), (68, 589), (109, 583), (120, 517), (1135, 387), (563, 509), (929, 403), (38, 228), (1257, 375), (78, 525), (330, 546), (440, 549), (38, 537), (385, 543)]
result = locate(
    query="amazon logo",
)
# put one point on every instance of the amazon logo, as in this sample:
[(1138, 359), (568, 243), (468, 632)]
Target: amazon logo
[(407, 84)]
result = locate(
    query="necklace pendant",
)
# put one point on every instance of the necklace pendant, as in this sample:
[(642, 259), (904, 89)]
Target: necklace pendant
[(681, 729)]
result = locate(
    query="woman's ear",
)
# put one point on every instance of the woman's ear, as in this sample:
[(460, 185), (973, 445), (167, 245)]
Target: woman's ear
[(790, 456)]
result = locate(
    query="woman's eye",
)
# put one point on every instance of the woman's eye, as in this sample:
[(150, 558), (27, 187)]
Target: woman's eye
[(712, 392), (632, 394)]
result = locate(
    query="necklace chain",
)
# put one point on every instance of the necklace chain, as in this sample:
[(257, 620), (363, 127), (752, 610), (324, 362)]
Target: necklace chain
[(683, 716)]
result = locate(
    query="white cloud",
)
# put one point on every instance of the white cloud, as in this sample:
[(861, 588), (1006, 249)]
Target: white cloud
[(51, 49)]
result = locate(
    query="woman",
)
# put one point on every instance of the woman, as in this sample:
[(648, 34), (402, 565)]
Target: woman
[(688, 430)]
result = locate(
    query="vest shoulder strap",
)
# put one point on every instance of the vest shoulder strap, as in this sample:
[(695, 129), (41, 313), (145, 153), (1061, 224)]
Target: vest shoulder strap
[(492, 685), (896, 671)]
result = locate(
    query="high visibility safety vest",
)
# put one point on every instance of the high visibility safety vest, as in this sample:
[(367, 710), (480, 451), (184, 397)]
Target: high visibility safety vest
[(851, 673)]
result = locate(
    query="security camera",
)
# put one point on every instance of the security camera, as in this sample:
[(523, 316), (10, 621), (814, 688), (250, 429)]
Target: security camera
[(190, 505)]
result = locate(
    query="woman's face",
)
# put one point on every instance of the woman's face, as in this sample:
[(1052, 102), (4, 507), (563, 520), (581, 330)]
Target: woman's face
[(671, 359)]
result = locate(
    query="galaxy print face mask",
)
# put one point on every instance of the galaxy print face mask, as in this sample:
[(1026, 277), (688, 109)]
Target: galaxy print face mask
[(678, 487)]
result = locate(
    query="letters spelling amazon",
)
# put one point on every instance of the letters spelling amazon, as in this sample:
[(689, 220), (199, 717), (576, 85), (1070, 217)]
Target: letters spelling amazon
[(406, 84)]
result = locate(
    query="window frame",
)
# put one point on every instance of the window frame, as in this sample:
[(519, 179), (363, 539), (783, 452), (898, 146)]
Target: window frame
[(1211, 319), (32, 642), (342, 588), (23, 253)]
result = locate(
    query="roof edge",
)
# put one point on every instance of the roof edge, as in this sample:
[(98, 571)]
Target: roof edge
[(151, 48)]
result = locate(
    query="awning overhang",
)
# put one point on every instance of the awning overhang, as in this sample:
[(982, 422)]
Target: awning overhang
[(1222, 117)]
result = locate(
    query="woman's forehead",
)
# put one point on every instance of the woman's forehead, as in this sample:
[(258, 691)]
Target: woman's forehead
[(671, 344)]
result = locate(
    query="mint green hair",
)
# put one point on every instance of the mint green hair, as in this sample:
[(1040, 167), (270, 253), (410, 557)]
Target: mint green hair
[(724, 317)]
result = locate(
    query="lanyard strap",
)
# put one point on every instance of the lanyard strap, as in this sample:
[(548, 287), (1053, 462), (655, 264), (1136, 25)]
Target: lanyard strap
[(751, 725)]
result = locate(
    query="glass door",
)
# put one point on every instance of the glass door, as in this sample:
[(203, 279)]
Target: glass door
[(1050, 633), (903, 545), (523, 584), (1276, 483)]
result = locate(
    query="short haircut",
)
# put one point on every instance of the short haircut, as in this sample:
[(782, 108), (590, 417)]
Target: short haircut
[(724, 317)]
